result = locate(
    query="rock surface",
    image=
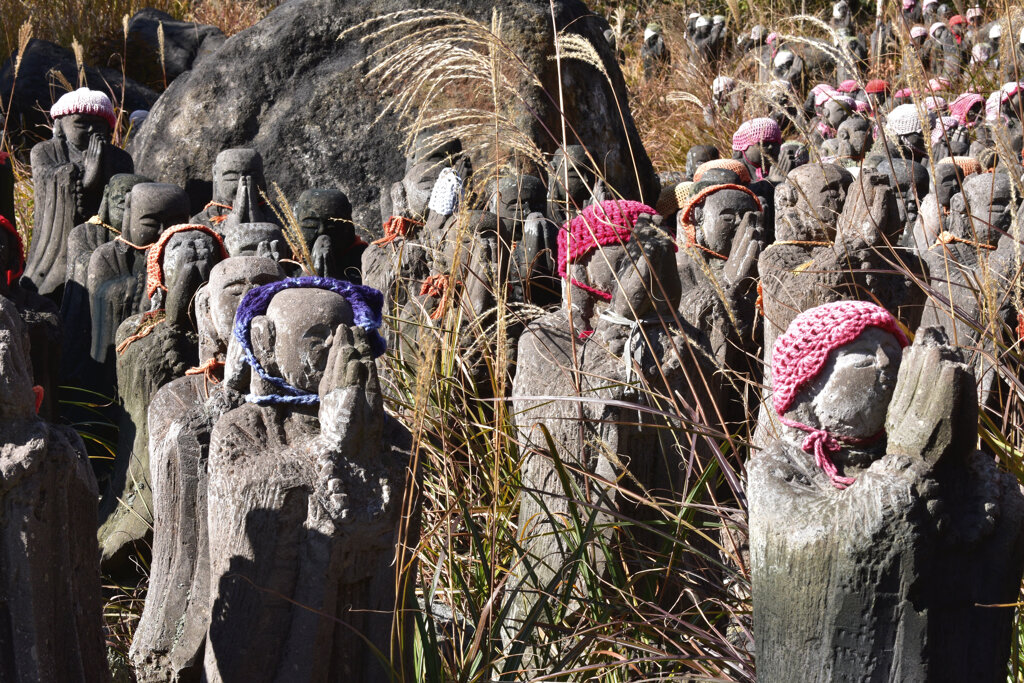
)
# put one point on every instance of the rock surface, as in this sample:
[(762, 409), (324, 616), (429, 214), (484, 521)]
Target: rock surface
[(298, 97)]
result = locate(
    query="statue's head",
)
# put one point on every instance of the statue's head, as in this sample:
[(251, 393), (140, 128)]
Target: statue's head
[(808, 203), (835, 370), (910, 180), (837, 110), (947, 181), (989, 200), (81, 114), (230, 166), (521, 195), (715, 215), (856, 132), (697, 155), (150, 208), (179, 248), (230, 280), (257, 239), (112, 204), (325, 212), (573, 159), (286, 330), (757, 142)]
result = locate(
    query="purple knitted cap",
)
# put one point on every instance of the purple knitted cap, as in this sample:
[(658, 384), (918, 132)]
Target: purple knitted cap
[(366, 303)]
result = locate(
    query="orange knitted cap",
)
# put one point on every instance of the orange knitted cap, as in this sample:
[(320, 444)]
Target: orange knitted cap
[(708, 191), (155, 256), (733, 165), (968, 165)]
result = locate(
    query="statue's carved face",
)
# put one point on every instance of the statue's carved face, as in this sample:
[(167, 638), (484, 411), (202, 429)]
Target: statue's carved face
[(115, 192), (581, 177), (228, 169), (305, 324), (989, 198), (79, 128), (152, 208), (189, 248), (947, 183), (697, 155), (851, 395), (808, 204), (835, 113), (721, 217), (857, 132), (230, 280), (325, 212)]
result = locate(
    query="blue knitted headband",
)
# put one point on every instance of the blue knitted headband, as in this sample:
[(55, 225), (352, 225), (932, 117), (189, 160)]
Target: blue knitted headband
[(366, 303)]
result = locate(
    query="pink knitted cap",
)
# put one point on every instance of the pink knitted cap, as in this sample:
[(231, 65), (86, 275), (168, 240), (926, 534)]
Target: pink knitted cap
[(800, 353), (918, 32), (935, 27), (934, 103), (823, 92), (849, 86), (609, 222), (903, 92), (756, 131), (875, 86), (973, 12), (938, 84), (908, 4), (84, 101), (962, 105)]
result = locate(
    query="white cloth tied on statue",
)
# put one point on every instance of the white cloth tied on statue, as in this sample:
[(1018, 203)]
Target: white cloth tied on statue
[(444, 198)]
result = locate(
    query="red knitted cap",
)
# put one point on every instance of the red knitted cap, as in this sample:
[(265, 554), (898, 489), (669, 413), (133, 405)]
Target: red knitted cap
[(875, 86), (155, 255), (609, 222), (802, 350), (8, 227)]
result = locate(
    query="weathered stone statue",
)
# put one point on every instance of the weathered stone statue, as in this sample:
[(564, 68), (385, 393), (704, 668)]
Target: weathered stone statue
[(77, 367), (654, 53), (325, 219), (720, 236), (171, 634), (855, 138), (933, 216), (910, 180), (50, 605), (698, 155), (39, 317), (613, 339), (153, 348), (257, 239), (234, 169), (69, 173), (117, 269), (306, 488), (881, 541), (573, 185), (756, 142)]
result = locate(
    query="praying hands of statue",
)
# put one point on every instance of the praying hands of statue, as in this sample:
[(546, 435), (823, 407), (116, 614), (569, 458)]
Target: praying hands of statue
[(350, 398), (933, 412), (746, 248), (246, 208), (321, 256), (270, 249), (92, 174), (781, 169)]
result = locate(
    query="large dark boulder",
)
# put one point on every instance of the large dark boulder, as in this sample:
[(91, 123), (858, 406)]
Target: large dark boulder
[(288, 87), (37, 87), (185, 42)]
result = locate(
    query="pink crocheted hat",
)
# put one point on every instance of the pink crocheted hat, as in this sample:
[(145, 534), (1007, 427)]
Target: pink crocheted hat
[(935, 103), (918, 32), (823, 92), (609, 222), (944, 123), (908, 4), (938, 84), (84, 101), (802, 350), (962, 105), (756, 131)]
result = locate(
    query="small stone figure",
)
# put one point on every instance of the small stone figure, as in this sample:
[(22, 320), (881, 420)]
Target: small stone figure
[(117, 269), (612, 340), (69, 174), (169, 641), (855, 138), (698, 155), (756, 142), (904, 136), (325, 219), (910, 180), (306, 488), (233, 168), (50, 622), (573, 184), (153, 348), (655, 55), (77, 367), (933, 217), (882, 544)]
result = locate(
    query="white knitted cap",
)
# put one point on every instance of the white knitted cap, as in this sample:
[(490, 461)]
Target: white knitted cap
[(701, 22), (84, 101), (904, 120), (783, 57), (722, 84), (649, 33), (996, 32), (447, 192)]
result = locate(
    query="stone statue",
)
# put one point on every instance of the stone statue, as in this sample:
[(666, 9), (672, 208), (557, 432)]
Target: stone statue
[(306, 489), (855, 138), (881, 542), (117, 269), (77, 367), (573, 184), (613, 339), (171, 634), (50, 622), (654, 54), (697, 156), (234, 169), (756, 142), (153, 348), (721, 238), (69, 173), (910, 180), (257, 239), (39, 318), (933, 216), (325, 219)]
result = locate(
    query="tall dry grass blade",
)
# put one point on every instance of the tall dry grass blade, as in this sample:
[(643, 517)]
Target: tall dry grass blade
[(76, 47)]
